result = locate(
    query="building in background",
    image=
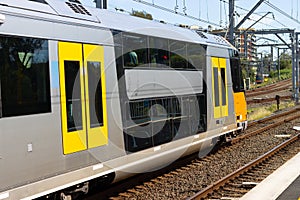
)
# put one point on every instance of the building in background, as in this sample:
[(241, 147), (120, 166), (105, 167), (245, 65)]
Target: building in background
[(246, 45), (244, 42)]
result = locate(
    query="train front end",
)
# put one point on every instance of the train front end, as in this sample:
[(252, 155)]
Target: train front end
[(240, 104)]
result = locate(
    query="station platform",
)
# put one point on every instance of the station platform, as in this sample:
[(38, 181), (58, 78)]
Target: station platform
[(283, 184)]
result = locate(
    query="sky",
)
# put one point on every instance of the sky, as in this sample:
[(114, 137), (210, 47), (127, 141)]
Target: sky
[(216, 12)]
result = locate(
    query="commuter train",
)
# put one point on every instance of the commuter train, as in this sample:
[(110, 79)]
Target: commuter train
[(89, 96)]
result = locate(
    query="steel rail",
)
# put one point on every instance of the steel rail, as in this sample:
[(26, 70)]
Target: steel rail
[(273, 85), (252, 123), (257, 131), (215, 186), (262, 100), (266, 91)]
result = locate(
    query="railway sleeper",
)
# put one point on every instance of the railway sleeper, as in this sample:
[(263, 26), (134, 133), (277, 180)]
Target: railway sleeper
[(249, 184), (234, 189), (231, 196), (125, 194), (141, 187), (233, 184), (134, 191), (265, 172)]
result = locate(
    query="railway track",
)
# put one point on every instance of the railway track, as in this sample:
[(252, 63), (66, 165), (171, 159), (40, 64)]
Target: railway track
[(279, 85), (267, 93), (238, 183), (267, 100), (194, 175), (269, 122)]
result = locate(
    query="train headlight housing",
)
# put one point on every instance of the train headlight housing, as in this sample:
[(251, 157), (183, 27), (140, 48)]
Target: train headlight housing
[(2, 18)]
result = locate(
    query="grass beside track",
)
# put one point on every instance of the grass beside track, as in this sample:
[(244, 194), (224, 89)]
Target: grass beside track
[(264, 111)]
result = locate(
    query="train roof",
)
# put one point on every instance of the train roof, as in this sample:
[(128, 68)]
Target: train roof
[(71, 11)]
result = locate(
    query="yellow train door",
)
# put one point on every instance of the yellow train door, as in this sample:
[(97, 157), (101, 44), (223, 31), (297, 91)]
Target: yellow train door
[(83, 96), (219, 87)]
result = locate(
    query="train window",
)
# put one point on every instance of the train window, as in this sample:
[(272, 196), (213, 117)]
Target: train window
[(73, 95), (159, 53), (118, 52), (95, 93), (138, 136), (194, 115), (117, 35), (140, 111), (196, 56), (223, 87), (135, 50), (180, 117), (160, 109), (176, 111), (178, 55), (24, 73), (161, 120), (202, 125), (216, 86)]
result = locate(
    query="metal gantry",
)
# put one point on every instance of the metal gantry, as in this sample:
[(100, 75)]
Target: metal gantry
[(293, 46)]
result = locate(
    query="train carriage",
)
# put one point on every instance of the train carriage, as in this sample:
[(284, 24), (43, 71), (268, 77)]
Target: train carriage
[(90, 96)]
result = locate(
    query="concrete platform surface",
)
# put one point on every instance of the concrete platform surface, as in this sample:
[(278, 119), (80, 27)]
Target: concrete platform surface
[(283, 184)]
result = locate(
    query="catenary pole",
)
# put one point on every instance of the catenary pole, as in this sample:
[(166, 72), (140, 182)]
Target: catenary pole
[(231, 22)]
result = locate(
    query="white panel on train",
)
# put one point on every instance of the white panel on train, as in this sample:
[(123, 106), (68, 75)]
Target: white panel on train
[(149, 83)]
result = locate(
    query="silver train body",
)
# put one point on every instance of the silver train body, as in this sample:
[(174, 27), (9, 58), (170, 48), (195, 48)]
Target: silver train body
[(88, 94)]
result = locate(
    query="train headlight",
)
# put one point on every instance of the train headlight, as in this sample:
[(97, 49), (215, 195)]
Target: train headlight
[(2, 18)]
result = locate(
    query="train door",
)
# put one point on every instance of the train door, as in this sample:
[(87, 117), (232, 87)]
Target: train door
[(219, 87), (83, 97)]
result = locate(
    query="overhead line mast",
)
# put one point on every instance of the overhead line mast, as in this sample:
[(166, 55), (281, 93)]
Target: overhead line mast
[(231, 22)]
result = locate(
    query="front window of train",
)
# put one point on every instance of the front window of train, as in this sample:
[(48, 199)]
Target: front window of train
[(236, 71)]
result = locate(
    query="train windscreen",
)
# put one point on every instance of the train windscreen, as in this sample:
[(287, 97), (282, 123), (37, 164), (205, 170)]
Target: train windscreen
[(236, 71)]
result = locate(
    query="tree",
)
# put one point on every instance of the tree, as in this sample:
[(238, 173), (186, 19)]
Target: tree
[(285, 61), (141, 14), (247, 69)]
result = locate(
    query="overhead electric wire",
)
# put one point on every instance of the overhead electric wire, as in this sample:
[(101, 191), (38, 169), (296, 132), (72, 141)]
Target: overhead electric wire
[(221, 14), (254, 20), (199, 8), (213, 23), (292, 7), (184, 7), (225, 11), (297, 8), (281, 11), (176, 6), (207, 11), (244, 9), (178, 13)]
